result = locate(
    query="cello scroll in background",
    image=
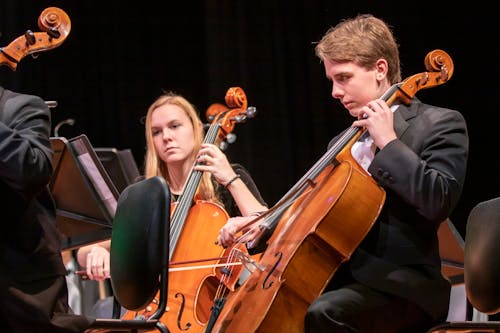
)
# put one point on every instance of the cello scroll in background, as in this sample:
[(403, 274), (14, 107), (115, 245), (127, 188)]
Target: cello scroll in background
[(236, 100), (55, 25)]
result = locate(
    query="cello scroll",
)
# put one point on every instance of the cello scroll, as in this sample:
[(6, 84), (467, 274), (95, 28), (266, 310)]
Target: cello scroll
[(226, 116), (439, 70), (55, 25)]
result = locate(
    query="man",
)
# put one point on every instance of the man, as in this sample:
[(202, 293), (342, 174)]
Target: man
[(418, 154), (33, 290)]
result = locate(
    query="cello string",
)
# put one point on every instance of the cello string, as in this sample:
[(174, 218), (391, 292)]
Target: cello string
[(182, 210), (222, 289)]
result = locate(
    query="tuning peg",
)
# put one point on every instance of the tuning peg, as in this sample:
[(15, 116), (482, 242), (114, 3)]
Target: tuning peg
[(231, 138), (30, 37), (251, 111), (53, 32), (240, 118)]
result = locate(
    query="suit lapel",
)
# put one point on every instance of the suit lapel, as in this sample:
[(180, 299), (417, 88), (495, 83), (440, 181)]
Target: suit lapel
[(401, 116)]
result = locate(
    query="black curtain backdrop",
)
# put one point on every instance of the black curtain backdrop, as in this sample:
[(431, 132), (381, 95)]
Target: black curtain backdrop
[(119, 57)]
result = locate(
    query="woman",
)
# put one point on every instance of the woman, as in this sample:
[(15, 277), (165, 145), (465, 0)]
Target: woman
[(174, 138), (174, 135)]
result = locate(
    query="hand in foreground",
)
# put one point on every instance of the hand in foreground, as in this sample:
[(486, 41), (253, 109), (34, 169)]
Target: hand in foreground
[(230, 232), (98, 264)]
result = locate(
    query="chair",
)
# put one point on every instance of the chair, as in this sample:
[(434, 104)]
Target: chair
[(481, 269), (139, 256)]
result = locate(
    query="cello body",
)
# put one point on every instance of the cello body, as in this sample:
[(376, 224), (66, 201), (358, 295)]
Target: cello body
[(191, 292), (189, 303), (319, 233)]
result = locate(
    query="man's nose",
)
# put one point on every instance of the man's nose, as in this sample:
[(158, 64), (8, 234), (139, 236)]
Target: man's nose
[(337, 92)]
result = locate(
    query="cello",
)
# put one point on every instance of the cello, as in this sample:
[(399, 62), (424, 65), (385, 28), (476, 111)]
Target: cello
[(56, 26), (195, 224), (319, 230)]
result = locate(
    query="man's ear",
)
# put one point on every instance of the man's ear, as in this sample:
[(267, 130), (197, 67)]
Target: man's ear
[(382, 67)]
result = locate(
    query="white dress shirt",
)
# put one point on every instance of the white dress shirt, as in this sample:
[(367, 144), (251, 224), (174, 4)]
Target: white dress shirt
[(363, 150)]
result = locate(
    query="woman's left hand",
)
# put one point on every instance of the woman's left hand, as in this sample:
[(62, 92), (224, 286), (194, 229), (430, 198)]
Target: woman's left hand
[(212, 159)]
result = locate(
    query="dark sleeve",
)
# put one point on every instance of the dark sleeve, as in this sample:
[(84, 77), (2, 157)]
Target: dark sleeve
[(25, 152), (227, 198), (426, 167), (31, 241)]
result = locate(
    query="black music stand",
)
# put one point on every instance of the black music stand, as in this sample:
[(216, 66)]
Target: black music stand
[(451, 251), (120, 165), (84, 194)]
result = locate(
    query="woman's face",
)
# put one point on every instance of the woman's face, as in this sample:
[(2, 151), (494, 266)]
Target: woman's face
[(173, 134)]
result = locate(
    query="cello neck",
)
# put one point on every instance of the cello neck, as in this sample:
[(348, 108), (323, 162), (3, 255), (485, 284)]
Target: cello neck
[(345, 139), (331, 153), (186, 199)]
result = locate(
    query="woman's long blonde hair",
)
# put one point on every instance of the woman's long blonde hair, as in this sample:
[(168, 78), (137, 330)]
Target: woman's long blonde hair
[(154, 166)]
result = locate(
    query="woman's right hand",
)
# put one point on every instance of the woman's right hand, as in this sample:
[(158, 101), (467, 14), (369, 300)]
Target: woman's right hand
[(98, 263)]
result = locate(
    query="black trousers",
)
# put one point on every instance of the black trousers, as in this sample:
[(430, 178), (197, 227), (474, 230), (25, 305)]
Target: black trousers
[(38, 306), (355, 308)]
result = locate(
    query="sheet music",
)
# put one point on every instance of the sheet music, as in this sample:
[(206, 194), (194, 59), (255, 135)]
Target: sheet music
[(100, 185)]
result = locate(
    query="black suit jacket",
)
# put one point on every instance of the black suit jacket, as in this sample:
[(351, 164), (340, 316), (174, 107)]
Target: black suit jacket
[(423, 173), (33, 291)]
